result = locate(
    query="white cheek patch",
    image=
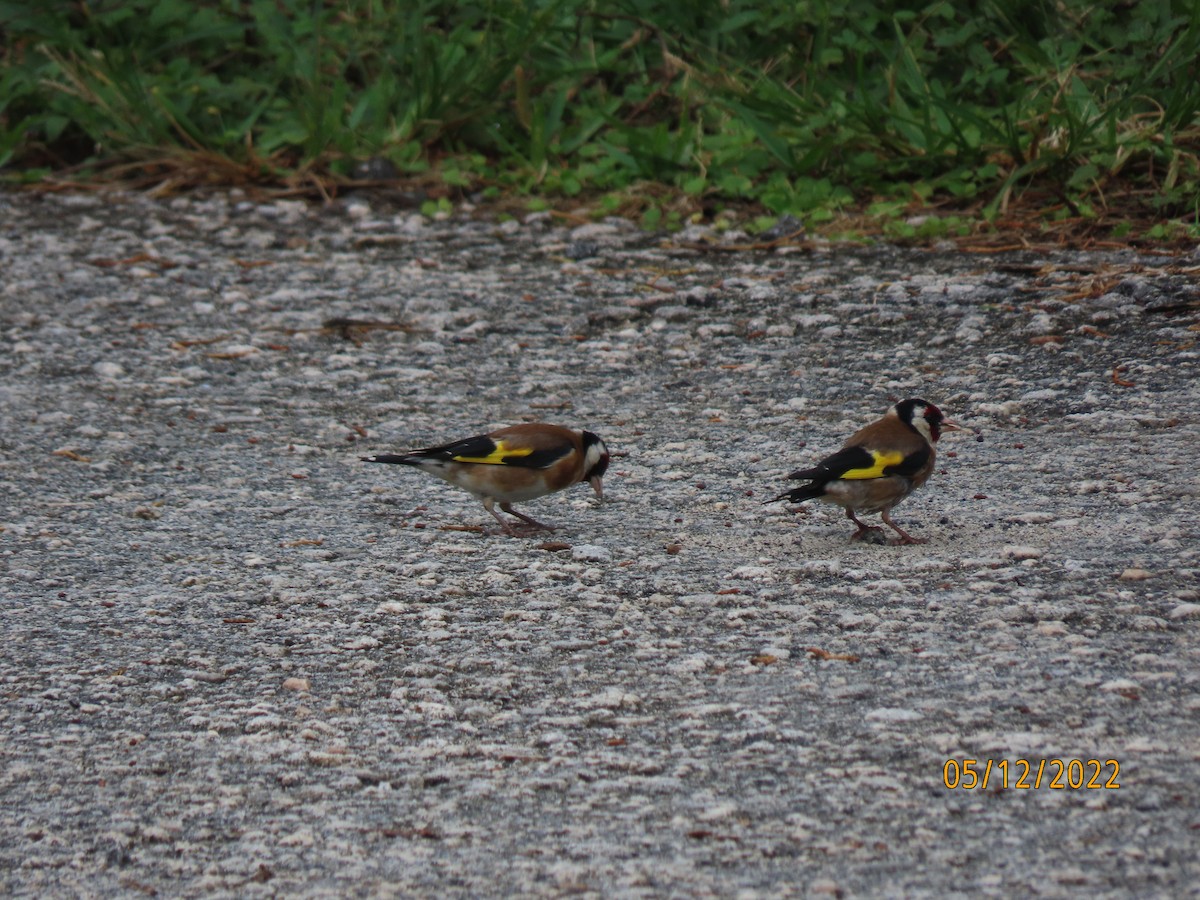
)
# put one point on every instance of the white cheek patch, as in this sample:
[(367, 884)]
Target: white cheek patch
[(593, 456), (922, 427)]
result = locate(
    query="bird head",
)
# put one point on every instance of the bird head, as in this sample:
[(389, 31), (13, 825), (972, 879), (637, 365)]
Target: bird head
[(923, 417), (595, 462)]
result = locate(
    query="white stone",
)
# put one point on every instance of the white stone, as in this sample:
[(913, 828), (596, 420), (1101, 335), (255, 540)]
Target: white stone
[(591, 553)]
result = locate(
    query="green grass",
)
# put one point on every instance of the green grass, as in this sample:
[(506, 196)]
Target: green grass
[(1067, 109)]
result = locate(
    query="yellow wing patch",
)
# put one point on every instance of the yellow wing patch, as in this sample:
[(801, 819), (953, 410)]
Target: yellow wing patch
[(497, 456), (881, 462)]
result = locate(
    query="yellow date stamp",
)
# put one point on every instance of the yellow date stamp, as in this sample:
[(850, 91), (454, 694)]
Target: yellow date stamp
[(1032, 774)]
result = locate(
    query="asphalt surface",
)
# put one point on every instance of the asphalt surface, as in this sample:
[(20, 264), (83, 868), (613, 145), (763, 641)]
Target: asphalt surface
[(239, 662)]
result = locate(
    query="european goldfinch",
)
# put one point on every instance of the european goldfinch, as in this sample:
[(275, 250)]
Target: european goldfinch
[(522, 462), (878, 467)]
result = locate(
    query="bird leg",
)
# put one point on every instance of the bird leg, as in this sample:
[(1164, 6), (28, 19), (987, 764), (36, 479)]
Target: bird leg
[(507, 507), (532, 526), (905, 537), (865, 532), (490, 505)]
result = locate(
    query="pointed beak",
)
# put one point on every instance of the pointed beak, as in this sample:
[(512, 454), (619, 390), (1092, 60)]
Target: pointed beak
[(947, 425), (597, 486)]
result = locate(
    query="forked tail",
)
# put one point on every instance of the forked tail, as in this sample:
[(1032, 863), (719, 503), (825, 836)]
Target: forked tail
[(395, 458), (800, 494)]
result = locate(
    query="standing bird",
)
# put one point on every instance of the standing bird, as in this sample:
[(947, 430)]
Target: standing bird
[(522, 462), (878, 467)]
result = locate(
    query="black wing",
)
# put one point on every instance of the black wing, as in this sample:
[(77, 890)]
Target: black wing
[(836, 465), (485, 450), (860, 463), (910, 465)]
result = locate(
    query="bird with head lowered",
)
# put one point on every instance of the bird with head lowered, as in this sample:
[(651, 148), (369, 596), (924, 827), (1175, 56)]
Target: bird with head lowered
[(512, 465)]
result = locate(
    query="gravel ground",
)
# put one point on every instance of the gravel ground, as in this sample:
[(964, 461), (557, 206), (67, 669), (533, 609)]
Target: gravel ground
[(240, 662)]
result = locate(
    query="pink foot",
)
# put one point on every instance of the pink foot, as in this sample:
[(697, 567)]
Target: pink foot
[(907, 539), (871, 535)]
